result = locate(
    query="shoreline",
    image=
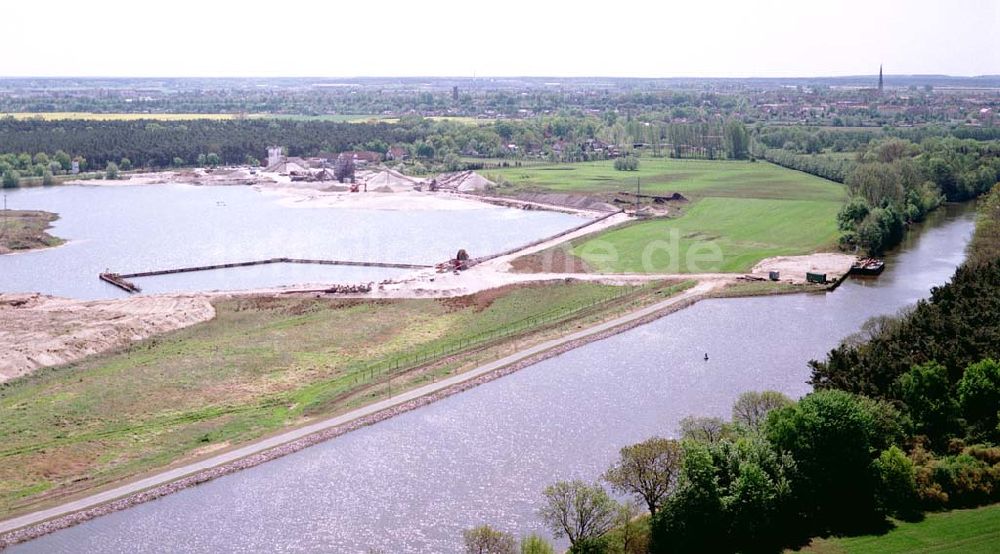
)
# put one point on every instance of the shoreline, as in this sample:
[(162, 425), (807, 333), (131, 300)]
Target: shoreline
[(29, 227), (21, 528)]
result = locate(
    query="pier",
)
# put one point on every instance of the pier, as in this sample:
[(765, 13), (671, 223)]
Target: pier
[(117, 280), (120, 279)]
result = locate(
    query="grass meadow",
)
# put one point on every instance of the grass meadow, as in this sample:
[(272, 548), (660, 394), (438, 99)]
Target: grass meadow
[(739, 213)]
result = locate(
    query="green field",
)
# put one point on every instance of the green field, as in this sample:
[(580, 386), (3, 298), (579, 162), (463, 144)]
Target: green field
[(692, 178), (261, 365), (740, 213), (960, 531), (715, 235)]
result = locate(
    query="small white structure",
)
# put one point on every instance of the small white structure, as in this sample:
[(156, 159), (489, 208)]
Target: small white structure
[(274, 155), (75, 168)]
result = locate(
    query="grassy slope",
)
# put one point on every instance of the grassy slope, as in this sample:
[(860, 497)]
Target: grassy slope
[(750, 211), (959, 531), (261, 365), (22, 230)]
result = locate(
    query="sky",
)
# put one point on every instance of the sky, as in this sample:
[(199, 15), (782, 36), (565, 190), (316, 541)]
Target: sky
[(620, 38)]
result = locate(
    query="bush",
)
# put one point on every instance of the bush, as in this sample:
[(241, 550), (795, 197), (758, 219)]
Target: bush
[(487, 540), (927, 393), (970, 478), (897, 483), (979, 395), (627, 163), (11, 179), (533, 544)]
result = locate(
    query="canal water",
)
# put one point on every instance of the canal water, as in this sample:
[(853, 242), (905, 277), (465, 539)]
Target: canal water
[(128, 229), (414, 482)]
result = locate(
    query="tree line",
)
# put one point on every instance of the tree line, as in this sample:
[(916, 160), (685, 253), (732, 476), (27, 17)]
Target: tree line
[(896, 182), (158, 144)]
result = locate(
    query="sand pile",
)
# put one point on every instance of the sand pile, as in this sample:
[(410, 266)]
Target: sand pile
[(464, 181), (38, 330), (388, 180)]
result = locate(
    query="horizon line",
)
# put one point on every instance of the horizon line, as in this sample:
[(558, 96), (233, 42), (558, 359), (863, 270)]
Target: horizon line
[(478, 77)]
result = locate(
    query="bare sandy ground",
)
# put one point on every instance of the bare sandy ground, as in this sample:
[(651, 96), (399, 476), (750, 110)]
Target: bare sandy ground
[(311, 198), (386, 190), (794, 268), (38, 330), (199, 176)]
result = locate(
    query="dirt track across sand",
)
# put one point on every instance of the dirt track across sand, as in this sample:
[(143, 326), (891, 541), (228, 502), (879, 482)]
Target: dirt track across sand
[(38, 330)]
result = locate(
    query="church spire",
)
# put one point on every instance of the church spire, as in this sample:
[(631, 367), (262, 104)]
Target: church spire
[(880, 78)]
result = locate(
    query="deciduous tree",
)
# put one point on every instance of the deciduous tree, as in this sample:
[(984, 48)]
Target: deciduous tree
[(647, 470), (752, 407), (487, 540), (578, 511)]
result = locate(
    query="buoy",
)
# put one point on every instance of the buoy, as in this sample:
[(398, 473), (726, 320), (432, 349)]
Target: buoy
[(706, 356)]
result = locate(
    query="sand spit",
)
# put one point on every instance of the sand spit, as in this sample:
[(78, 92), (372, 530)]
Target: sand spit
[(38, 330)]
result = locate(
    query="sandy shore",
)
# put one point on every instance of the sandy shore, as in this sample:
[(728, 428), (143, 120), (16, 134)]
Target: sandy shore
[(38, 330)]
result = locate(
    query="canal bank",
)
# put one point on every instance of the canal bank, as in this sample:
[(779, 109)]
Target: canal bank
[(46, 521), (412, 482)]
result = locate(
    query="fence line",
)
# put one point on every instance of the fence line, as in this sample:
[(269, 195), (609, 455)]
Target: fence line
[(372, 371)]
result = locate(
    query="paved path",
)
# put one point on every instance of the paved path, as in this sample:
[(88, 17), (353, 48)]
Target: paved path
[(289, 436)]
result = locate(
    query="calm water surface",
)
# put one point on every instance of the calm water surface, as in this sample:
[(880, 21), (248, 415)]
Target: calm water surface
[(129, 229), (414, 482)]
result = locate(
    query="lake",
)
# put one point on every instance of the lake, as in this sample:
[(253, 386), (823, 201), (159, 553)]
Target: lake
[(128, 229)]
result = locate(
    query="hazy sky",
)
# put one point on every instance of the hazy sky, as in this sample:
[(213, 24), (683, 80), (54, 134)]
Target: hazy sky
[(656, 38)]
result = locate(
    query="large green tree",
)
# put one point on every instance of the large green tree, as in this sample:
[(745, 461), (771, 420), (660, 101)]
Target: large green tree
[(834, 436)]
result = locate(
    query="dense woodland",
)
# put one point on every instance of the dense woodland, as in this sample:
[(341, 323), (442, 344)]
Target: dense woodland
[(157, 143)]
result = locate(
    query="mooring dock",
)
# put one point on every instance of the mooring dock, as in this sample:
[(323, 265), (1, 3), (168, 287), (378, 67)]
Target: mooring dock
[(117, 280), (120, 279)]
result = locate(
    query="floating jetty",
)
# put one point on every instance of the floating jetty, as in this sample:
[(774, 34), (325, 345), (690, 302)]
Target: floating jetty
[(120, 279), (868, 266)]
